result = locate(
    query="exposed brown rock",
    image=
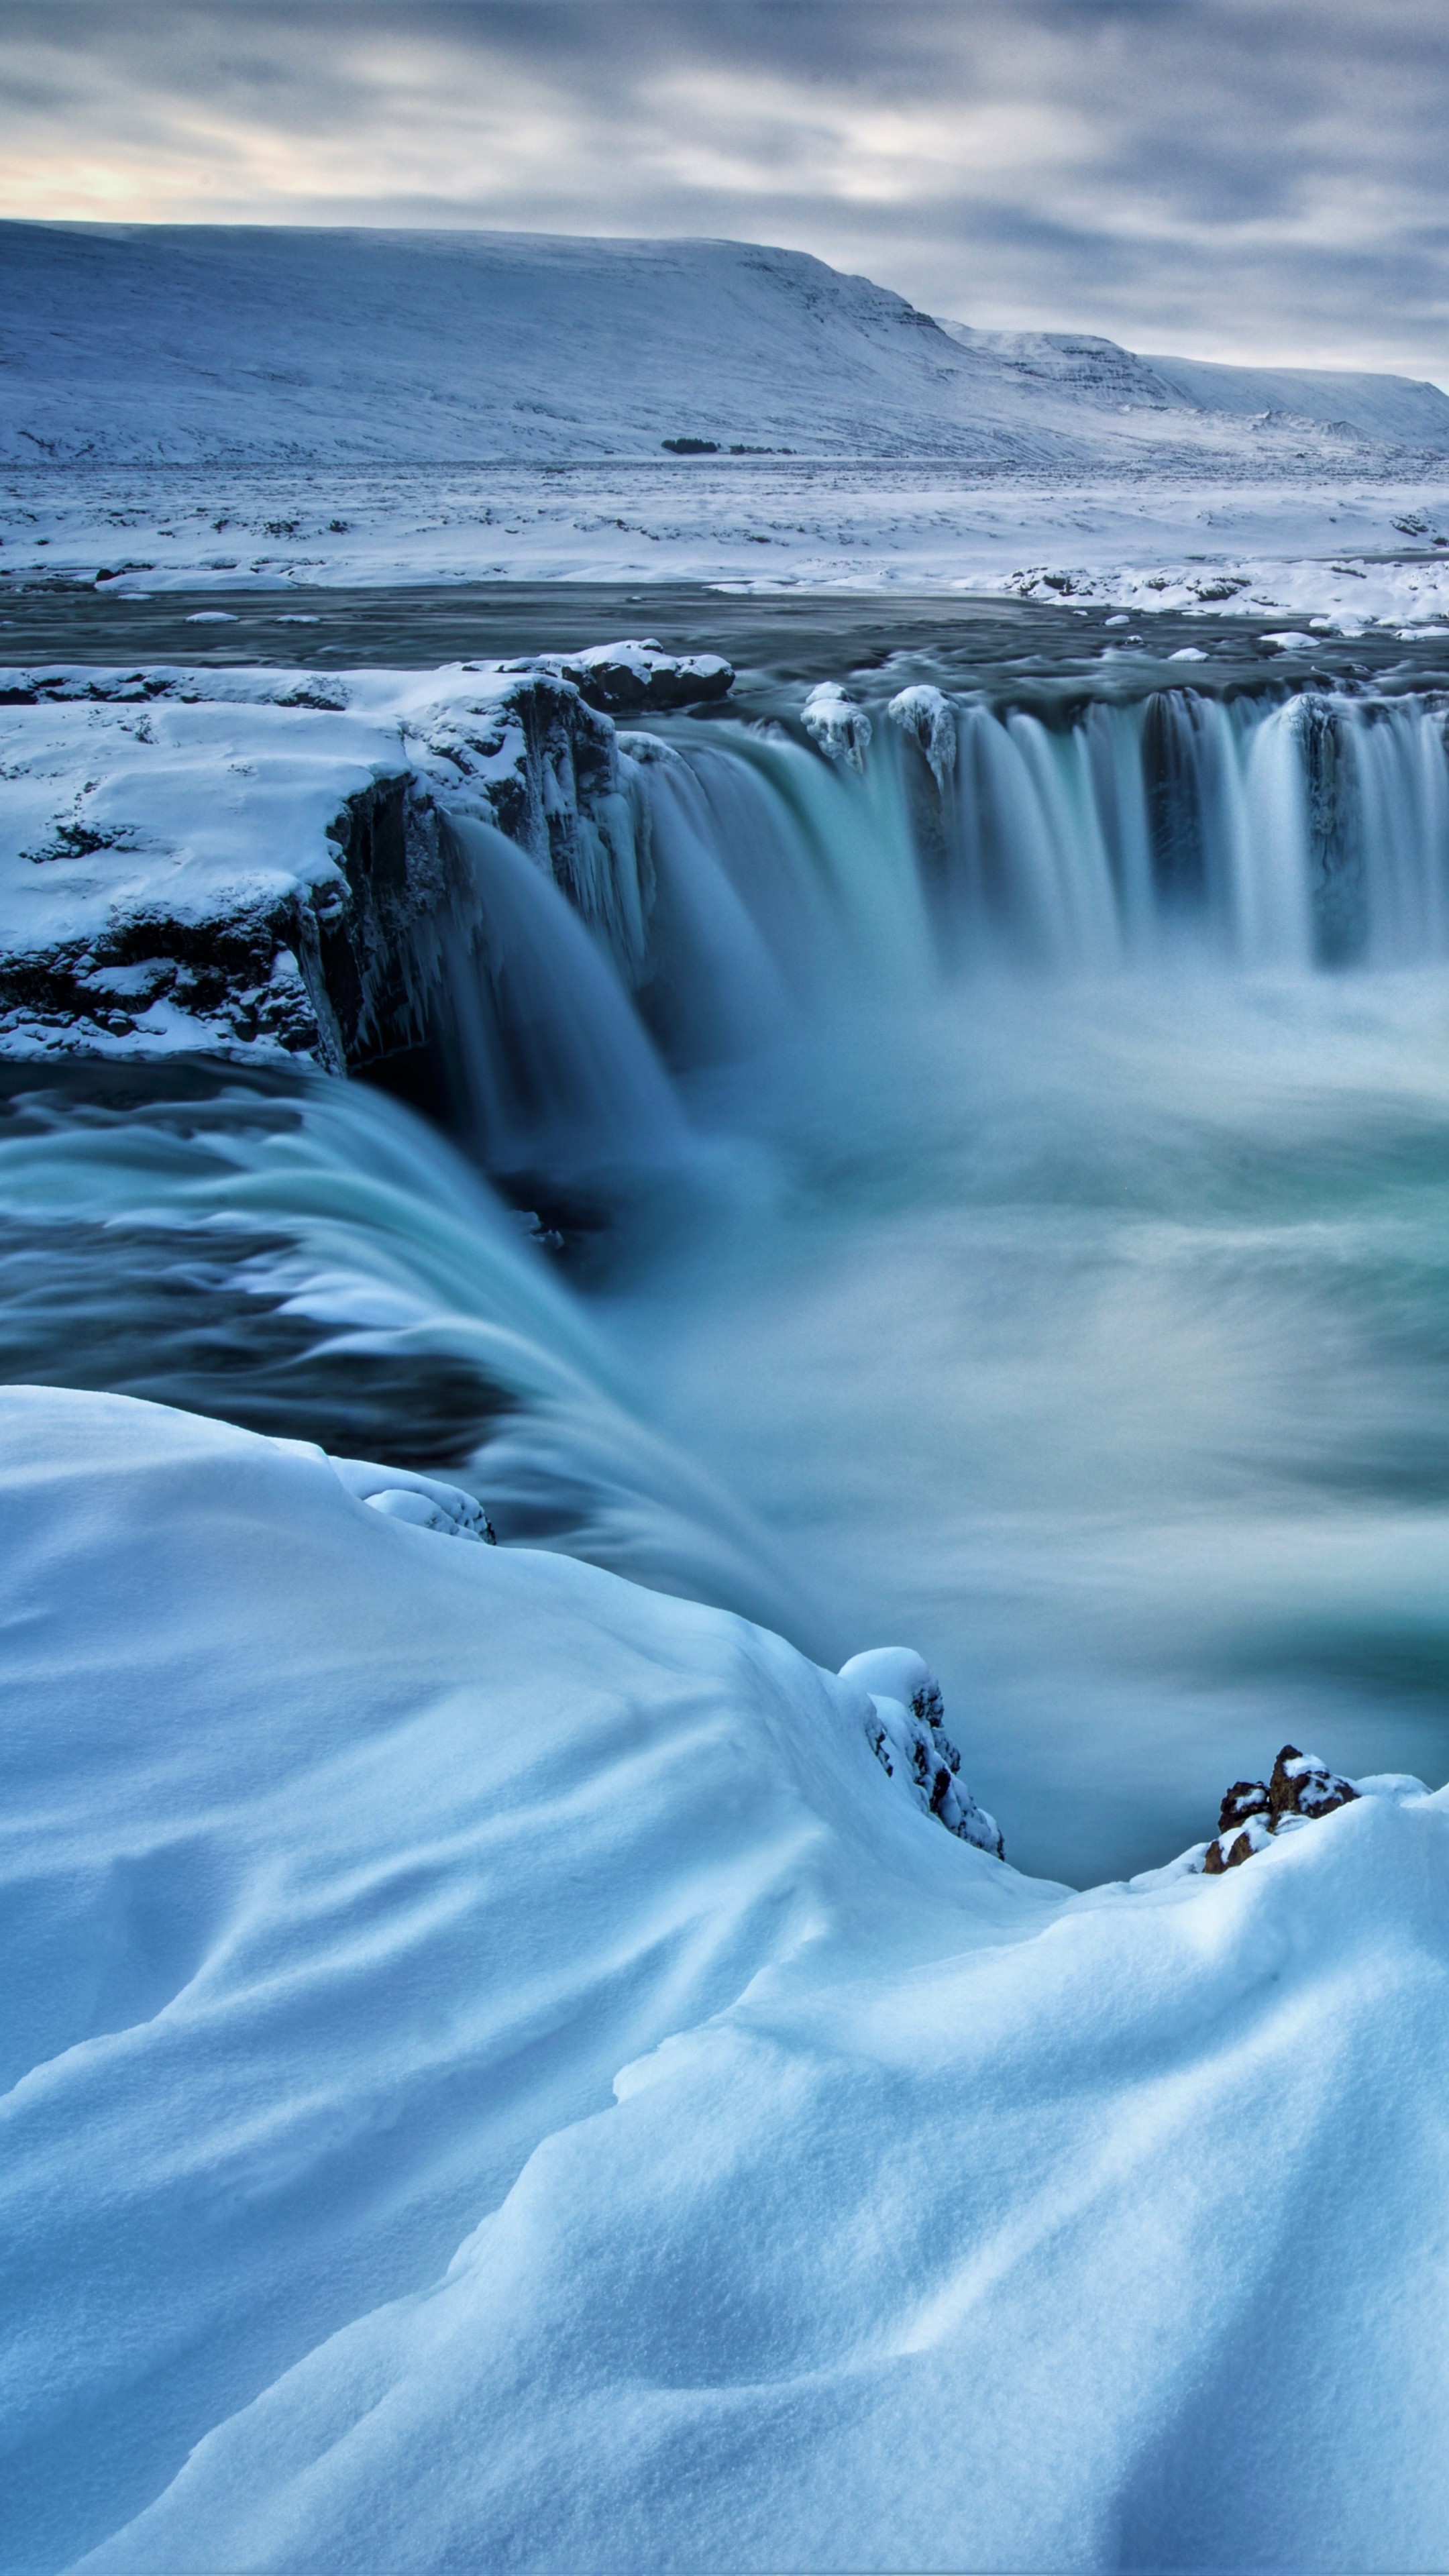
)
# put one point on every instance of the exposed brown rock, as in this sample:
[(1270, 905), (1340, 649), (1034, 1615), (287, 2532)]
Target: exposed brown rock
[(1301, 1785), (1245, 1798), (1252, 1811)]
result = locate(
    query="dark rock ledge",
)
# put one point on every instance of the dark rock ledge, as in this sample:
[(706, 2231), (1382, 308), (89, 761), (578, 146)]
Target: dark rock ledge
[(246, 862)]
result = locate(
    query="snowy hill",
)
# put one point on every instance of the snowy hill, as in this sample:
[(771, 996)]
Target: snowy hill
[(193, 344), (1098, 375), (1381, 408)]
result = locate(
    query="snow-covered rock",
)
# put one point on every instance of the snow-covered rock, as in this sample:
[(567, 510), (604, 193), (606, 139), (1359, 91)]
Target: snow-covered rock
[(906, 1731), (251, 861), (928, 717), (497, 2076), (836, 723), (1300, 1788), (641, 678)]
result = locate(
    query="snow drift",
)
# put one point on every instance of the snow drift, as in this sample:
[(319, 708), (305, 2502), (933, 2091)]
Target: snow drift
[(498, 2076)]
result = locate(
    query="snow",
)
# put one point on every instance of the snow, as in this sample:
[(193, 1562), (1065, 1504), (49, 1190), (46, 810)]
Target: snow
[(426, 1501), (907, 1735), (836, 724), (114, 806), (199, 344), (499, 2076), (1377, 408), (1191, 539), (926, 714), (234, 406), (142, 807)]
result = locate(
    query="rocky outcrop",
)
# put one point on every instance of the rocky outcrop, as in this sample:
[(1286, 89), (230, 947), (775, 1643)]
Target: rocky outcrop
[(244, 861), (641, 678), (526, 753), (1300, 1788), (906, 1732)]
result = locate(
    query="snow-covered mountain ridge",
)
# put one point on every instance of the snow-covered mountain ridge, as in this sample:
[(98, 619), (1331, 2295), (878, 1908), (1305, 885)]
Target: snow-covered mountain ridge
[(1320, 401), (231, 344)]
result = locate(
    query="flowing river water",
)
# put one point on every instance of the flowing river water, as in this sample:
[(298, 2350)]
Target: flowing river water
[(1005, 1210)]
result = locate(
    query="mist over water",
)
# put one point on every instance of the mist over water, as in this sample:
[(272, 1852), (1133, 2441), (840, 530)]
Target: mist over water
[(1019, 1175), (1094, 1339)]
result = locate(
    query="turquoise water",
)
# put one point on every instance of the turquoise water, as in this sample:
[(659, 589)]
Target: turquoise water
[(1018, 1226)]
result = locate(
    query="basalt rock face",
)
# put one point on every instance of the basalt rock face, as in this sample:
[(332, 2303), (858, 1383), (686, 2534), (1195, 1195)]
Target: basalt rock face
[(243, 862), (362, 962), (531, 757), (1300, 1788)]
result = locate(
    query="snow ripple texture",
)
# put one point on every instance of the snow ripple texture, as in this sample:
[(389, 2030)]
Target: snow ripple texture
[(497, 2078)]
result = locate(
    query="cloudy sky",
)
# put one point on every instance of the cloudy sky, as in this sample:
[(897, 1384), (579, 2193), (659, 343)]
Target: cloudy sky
[(1223, 178)]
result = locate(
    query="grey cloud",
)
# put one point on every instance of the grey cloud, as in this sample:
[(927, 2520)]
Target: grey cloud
[(1238, 177)]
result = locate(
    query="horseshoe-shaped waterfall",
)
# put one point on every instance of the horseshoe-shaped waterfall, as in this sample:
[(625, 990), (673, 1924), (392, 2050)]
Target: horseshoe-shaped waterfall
[(989, 1187)]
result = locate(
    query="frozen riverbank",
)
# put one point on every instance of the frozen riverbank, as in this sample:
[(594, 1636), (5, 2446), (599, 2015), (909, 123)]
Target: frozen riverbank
[(1349, 546)]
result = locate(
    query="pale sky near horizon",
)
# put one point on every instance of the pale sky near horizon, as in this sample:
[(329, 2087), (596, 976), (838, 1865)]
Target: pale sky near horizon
[(1249, 179)]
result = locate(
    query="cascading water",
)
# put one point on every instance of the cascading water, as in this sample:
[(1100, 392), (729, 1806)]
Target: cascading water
[(1025, 1236), (1312, 831)]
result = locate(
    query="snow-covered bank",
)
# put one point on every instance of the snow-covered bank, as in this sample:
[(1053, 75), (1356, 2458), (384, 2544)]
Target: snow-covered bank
[(496, 2063), (1347, 546), (253, 860)]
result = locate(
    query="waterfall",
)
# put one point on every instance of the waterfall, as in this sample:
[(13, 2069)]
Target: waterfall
[(967, 1170), (554, 1070), (1312, 831), (307, 1257), (784, 894)]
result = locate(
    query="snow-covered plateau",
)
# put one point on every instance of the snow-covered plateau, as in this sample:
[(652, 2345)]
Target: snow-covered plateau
[(264, 406), (499, 2076), (133, 344)]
